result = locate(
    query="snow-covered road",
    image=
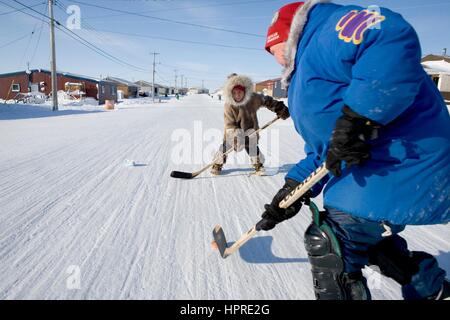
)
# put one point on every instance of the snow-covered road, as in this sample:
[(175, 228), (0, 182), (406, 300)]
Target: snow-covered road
[(77, 223)]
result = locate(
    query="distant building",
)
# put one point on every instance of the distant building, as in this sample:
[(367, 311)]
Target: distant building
[(39, 81), (271, 88), (197, 91), (183, 91), (145, 88), (128, 88), (218, 94), (438, 68)]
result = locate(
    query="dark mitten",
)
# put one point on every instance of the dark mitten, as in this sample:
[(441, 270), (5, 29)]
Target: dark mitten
[(348, 141), (282, 111), (273, 214)]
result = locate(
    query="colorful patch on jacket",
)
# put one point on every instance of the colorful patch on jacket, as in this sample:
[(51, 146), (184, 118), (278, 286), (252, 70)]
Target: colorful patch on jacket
[(352, 26)]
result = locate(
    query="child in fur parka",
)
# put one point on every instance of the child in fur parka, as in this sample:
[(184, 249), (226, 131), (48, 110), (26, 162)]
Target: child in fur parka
[(240, 120)]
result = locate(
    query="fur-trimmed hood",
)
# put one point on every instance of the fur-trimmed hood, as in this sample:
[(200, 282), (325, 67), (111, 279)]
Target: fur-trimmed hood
[(237, 80), (298, 24)]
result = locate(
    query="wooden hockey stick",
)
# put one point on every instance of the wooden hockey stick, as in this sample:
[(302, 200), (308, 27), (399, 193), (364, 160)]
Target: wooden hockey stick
[(191, 175), (300, 190)]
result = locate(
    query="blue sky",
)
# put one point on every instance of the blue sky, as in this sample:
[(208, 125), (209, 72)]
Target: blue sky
[(196, 62)]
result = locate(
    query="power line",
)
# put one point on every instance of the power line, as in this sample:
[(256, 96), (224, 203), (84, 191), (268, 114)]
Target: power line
[(187, 8), (39, 39), (90, 27), (99, 51), (169, 20), (15, 40), (191, 70), (31, 37), (120, 61), (164, 81), (28, 44), (83, 41), (86, 42), (21, 9), (179, 40)]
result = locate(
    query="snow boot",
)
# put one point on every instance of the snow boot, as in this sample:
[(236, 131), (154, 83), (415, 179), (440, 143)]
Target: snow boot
[(216, 169), (259, 169), (444, 293), (330, 280)]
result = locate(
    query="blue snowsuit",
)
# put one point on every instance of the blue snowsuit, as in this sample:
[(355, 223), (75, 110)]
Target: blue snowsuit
[(377, 73), (379, 76)]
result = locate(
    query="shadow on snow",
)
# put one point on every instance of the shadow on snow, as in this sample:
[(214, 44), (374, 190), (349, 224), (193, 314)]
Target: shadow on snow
[(18, 112), (258, 250)]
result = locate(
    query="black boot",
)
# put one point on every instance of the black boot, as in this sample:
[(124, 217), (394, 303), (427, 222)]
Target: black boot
[(355, 286), (444, 293)]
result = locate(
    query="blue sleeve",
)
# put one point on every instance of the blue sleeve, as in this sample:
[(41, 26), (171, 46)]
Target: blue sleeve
[(304, 168), (387, 73)]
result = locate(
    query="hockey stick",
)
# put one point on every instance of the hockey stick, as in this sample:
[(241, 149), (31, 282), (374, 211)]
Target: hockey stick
[(191, 175), (300, 190)]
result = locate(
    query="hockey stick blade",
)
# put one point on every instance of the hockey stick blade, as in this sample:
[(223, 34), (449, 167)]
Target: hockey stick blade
[(191, 175), (221, 241), (181, 175), (309, 182)]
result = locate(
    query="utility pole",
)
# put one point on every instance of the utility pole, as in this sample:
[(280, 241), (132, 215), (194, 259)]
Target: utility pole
[(203, 84), (53, 53), (176, 76), (153, 81), (181, 84)]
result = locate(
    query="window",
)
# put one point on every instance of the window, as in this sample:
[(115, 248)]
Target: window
[(15, 87), (436, 81)]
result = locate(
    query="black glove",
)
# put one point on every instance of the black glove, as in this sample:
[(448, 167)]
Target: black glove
[(348, 143), (274, 214), (283, 111)]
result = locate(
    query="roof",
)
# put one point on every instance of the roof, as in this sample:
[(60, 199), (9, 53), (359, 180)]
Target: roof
[(144, 83), (60, 73), (122, 81), (268, 82), (434, 57), (437, 67)]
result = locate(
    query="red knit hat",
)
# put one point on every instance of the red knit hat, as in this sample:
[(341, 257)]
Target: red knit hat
[(239, 87), (281, 24)]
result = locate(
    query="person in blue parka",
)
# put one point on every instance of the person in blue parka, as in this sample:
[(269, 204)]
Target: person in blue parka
[(363, 104)]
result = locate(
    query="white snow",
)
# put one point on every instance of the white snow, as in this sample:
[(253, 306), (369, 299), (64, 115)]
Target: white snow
[(76, 223)]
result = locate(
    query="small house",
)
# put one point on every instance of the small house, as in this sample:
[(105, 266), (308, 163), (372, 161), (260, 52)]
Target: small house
[(271, 88), (438, 68), (145, 89), (128, 88), (39, 81)]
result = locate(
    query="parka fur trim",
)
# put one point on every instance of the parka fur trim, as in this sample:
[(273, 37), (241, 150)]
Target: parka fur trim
[(241, 80), (290, 51)]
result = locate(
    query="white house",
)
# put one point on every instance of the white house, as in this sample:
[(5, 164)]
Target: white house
[(438, 68)]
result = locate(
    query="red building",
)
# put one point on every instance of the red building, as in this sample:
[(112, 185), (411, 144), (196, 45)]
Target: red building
[(271, 88), (39, 80)]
